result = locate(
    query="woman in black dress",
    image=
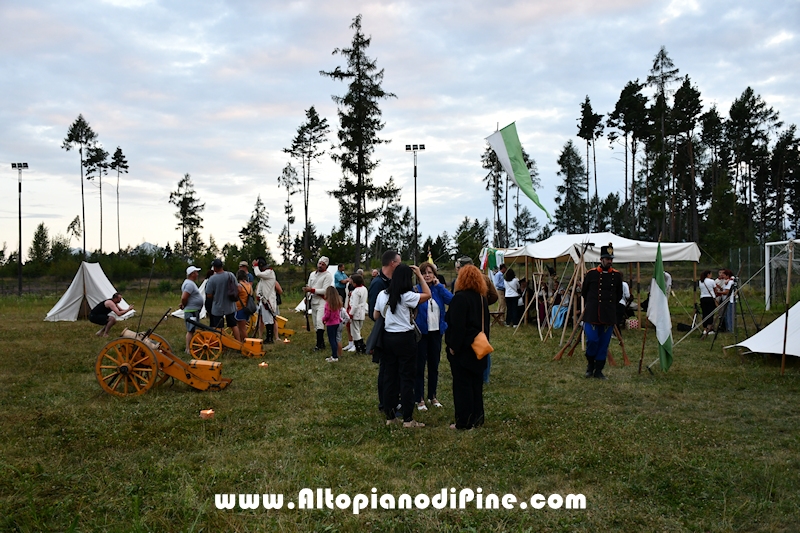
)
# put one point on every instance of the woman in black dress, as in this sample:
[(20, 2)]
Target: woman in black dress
[(467, 316)]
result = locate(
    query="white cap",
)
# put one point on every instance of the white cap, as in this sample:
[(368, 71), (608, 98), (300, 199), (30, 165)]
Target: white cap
[(191, 269)]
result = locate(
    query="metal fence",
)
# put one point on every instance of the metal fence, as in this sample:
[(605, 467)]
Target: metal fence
[(747, 264)]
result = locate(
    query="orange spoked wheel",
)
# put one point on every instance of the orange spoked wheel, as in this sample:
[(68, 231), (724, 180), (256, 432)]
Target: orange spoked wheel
[(126, 367), (166, 348), (205, 345), (252, 325)]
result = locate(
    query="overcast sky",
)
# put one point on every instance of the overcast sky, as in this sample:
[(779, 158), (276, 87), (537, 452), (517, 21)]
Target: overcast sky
[(218, 88)]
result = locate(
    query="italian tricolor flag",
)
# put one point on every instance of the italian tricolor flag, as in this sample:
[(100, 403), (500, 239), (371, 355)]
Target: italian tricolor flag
[(506, 145)]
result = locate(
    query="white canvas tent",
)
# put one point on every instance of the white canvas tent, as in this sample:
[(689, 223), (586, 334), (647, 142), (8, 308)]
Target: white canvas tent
[(202, 289), (770, 339), (89, 287), (566, 247)]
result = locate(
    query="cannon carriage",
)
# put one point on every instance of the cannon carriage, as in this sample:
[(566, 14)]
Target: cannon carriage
[(207, 343), (136, 362)]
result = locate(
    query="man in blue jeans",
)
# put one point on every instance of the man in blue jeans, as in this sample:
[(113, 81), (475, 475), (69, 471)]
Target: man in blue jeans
[(601, 289)]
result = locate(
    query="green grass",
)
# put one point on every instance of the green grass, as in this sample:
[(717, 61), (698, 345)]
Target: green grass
[(710, 446)]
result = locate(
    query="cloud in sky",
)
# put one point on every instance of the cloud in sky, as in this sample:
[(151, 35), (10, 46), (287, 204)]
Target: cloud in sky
[(217, 89)]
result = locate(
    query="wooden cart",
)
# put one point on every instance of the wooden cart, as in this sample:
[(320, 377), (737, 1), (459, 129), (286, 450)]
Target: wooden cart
[(136, 362), (207, 343)]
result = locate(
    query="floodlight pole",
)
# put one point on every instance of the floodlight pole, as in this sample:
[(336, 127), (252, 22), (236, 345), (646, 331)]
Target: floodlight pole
[(414, 148), (19, 167)]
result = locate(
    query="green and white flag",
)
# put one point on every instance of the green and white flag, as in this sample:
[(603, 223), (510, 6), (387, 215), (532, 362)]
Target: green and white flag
[(658, 313), (506, 145)]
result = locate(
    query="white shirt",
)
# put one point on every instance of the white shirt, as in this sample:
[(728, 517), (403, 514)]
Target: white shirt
[(319, 281), (668, 282), (358, 303), (433, 315), (400, 321), (626, 293), (512, 288), (707, 288), (728, 286)]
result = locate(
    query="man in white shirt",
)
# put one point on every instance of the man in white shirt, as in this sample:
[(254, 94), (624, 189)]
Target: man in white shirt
[(318, 281), (622, 306)]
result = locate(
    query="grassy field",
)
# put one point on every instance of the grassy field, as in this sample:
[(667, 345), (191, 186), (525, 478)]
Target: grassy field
[(712, 445)]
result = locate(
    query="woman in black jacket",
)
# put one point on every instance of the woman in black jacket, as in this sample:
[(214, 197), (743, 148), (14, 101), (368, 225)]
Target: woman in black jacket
[(467, 316)]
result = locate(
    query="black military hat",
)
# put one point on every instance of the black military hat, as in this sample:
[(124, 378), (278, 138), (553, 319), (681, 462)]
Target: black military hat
[(607, 251)]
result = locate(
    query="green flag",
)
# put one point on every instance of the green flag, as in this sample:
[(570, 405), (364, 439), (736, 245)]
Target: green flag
[(658, 313), (506, 145)]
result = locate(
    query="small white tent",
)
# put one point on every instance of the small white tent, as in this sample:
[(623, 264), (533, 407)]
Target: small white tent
[(770, 339), (89, 287)]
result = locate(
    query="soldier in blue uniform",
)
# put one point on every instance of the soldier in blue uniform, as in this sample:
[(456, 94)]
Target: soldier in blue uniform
[(601, 290)]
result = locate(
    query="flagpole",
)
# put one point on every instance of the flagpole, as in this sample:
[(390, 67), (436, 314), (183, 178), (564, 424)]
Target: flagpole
[(788, 301), (644, 340), (649, 367)]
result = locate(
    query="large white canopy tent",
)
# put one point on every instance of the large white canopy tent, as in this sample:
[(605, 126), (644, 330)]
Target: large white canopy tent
[(566, 247), (569, 248), (89, 287)]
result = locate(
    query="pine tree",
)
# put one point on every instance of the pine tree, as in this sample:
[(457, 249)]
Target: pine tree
[(96, 166), (590, 129), (359, 125), (80, 134), (306, 149), (253, 234), (525, 227), (686, 112), (662, 74), (74, 228), (571, 215), (189, 209), (629, 119), (39, 252), (120, 165), (471, 236), (289, 181)]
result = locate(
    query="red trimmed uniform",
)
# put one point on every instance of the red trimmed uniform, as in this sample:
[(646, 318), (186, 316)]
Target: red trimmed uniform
[(601, 290)]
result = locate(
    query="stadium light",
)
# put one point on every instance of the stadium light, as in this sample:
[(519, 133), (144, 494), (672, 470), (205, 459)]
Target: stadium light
[(19, 167), (415, 148)]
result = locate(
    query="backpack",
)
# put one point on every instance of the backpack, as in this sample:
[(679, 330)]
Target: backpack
[(232, 290), (250, 304)]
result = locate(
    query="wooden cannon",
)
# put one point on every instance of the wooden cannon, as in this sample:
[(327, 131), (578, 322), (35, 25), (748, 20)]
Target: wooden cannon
[(282, 329), (207, 343), (136, 362)]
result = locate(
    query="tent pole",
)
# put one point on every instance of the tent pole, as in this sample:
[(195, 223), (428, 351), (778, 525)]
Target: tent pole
[(641, 358), (694, 294), (583, 304), (527, 307), (639, 294), (549, 311), (536, 290), (571, 307), (789, 269), (525, 297)]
